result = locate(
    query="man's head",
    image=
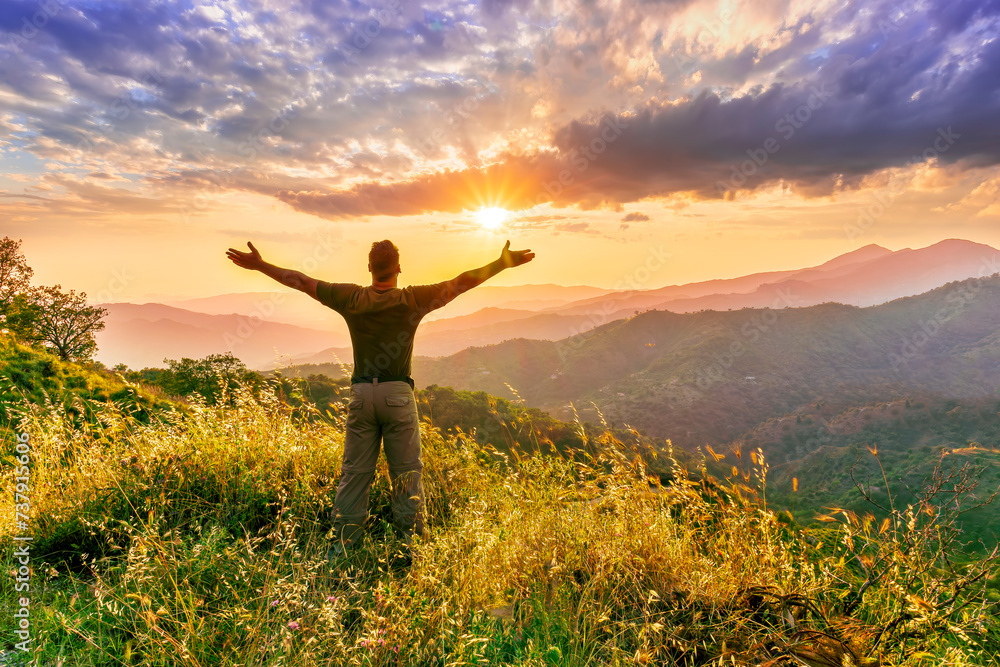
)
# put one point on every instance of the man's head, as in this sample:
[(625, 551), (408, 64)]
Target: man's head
[(383, 260)]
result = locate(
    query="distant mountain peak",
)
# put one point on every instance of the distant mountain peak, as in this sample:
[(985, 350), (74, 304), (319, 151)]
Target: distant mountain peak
[(866, 253)]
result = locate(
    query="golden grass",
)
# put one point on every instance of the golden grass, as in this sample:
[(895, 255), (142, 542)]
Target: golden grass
[(200, 539)]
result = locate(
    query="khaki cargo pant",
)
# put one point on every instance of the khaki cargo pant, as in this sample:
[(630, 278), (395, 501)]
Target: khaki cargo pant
[(383, 412)]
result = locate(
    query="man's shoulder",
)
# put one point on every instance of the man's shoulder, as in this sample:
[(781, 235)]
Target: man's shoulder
[(427, 291), (335, 295), (431, 297)]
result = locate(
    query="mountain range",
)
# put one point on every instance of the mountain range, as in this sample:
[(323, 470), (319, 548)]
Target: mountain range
[(708, 377), (143, 335), (266, 329)]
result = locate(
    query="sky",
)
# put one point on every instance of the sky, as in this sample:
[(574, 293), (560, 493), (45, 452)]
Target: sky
[(140, 140)]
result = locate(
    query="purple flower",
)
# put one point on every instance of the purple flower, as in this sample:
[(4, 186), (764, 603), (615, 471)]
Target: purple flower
[(292, 625), (331, 598), (274, 603)]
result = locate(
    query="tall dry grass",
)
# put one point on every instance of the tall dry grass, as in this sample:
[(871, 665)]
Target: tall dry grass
[(200, 539)]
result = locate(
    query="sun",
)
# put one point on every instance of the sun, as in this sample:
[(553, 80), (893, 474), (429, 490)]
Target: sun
[(491, 217)]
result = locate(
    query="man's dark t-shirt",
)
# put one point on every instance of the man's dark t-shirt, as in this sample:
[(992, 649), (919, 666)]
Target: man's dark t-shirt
[(383, 322)]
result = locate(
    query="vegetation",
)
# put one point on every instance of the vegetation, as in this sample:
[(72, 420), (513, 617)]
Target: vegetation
[(828, 450), (15, 274), (47, 316), (181, 515), (40, 377), (64, 322), (710, 377), (214, 378), (199, 538)]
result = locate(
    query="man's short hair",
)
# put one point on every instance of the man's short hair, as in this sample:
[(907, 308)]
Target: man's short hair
[(384, 259)]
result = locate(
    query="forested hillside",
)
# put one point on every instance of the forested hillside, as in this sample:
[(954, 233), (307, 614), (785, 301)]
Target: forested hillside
[(709, 377)]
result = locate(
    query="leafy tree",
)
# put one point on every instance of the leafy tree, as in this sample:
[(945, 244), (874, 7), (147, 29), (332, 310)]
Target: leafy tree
[(64, 322), (15, 274), (211, 377), (21, 316)]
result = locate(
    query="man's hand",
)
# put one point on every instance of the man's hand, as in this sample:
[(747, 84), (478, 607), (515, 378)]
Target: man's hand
[(510, 257), (287, 277), (248, 260)]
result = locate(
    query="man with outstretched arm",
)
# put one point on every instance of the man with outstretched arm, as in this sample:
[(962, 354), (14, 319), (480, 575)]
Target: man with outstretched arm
[(382, 319)]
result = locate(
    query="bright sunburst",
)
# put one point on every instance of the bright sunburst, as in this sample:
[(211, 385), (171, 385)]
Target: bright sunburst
[(491, 217)]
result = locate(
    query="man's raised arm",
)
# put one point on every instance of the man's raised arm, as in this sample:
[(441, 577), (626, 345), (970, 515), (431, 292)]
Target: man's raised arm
[(287, 277), (469, 279)]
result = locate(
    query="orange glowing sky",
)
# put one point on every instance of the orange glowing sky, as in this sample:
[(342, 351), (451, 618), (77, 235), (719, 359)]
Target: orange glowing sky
[(137, 144)]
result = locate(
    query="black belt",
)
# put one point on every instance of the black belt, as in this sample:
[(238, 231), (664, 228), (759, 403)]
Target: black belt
[(371, 379)]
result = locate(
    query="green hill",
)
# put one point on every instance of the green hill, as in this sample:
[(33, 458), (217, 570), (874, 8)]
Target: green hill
[(36, 376), (828, 449), (709, 377), (199, 538)]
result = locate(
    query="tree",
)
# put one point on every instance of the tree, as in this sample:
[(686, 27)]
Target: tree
[(211, 377), (21, 316), (66, 323), (15, 274)]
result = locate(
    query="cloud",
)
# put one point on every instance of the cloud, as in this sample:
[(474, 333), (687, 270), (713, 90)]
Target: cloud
[(635, 216), (865, 109), (384, 108)]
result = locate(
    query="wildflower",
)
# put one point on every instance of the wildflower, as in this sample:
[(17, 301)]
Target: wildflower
[(274, 603), (292, 625), (331, 598)]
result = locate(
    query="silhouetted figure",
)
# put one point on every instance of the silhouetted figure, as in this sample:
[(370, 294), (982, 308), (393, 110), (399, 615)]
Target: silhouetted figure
[(382, 319)]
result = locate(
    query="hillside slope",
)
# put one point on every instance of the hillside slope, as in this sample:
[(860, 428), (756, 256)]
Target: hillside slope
[(709, 376)]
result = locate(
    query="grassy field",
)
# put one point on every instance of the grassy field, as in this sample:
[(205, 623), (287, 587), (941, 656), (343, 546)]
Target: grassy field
[(200, 539)]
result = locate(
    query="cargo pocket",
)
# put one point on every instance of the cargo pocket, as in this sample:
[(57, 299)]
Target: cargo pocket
[(354, 409), (397, 401)]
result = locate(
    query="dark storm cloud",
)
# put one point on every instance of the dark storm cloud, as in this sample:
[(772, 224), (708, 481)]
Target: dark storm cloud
[(905, 89), (346, 109)]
